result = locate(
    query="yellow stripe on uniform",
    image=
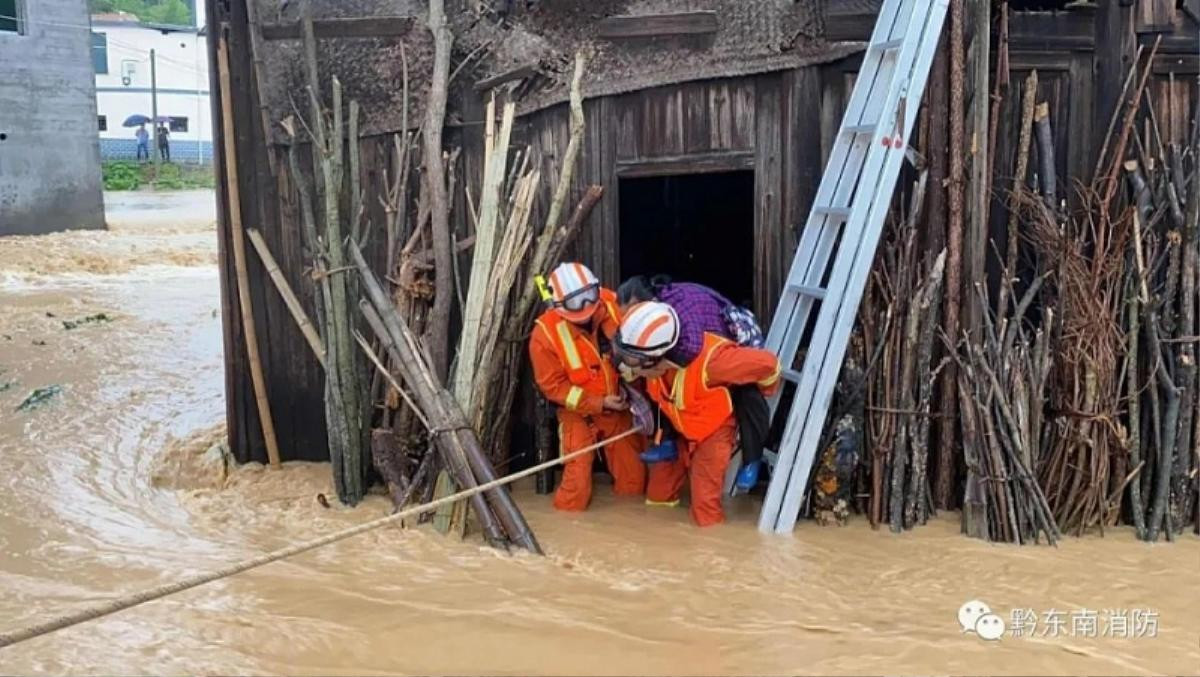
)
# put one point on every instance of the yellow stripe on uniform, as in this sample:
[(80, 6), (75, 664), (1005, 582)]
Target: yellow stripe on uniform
[(568, 346), (678, 387), (770, 380), (573, 396)]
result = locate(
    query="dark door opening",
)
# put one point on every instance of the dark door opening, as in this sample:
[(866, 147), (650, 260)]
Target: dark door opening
[(693, 227)]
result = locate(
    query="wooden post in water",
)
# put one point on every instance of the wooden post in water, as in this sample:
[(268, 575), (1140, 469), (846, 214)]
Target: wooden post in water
[(238, 238)]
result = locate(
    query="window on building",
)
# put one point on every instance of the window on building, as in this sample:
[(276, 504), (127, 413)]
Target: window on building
[(102, 122), (10, 16), (178, 124), (100, 52)]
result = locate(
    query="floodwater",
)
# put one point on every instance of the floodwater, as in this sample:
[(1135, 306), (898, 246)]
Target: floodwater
[(111, 486)]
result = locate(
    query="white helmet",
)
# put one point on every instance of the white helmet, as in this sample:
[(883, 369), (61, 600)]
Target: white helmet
[(575, 290), (648, 330)]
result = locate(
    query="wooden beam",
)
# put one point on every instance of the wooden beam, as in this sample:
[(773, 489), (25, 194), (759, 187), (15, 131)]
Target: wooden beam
[(1051, 31), (1155, 16), (518, 73), (850, 20), (698, 163), (1192, 8), (359, 27), (655, 25), (1177, 64), (1115, 51)]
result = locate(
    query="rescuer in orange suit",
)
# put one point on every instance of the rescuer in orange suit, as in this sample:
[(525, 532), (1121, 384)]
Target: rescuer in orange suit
[(695, 398), (571, 369)]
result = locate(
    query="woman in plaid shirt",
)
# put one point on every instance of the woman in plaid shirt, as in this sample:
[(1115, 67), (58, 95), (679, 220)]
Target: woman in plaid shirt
[(701, 310)]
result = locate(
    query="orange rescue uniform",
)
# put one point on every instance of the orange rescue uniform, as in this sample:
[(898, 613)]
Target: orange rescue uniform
[(571, 372), (696, 400)]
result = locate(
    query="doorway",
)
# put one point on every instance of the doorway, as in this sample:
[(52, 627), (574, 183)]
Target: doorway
[(693, 227)]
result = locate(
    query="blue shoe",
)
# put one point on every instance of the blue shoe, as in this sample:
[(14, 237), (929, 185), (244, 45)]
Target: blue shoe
[(747, 477), (661, 453)]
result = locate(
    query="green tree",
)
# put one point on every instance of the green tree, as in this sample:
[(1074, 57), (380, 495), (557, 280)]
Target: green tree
[(172, 12)]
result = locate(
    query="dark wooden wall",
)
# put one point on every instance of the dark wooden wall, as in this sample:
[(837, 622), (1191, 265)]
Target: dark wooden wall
[(756, 123), (779, 124)]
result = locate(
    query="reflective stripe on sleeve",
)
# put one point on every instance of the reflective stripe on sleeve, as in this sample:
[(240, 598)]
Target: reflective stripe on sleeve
[(573, 396)]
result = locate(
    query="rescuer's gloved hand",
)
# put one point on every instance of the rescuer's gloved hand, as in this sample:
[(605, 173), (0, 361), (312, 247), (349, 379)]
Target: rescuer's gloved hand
[(661, 453)]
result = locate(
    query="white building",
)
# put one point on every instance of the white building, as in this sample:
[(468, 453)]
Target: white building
[(121, 54)]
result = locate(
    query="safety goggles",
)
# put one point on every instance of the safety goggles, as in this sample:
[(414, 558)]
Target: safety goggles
[(580, 299), (634, 358)]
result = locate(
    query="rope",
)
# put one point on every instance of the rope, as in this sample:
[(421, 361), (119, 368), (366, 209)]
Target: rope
[(196, 580)]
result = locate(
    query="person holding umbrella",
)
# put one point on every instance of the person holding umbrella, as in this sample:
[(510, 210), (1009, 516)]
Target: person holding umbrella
[(142, 136), (164, 142), (143, 143)]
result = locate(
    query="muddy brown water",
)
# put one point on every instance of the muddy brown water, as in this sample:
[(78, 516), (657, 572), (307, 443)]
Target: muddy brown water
[(107, 489)]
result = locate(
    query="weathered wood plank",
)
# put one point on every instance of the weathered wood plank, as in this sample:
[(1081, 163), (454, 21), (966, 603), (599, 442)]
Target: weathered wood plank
[(700, 120), (1053, 31), (1114, 53), (1176, 64), (802, 165), (850, 19), (653, 25), (769, 257), (626, 112), (511, 75), (1155, 16), (605, 218), (358, 27), (742, 113), (695, 163)]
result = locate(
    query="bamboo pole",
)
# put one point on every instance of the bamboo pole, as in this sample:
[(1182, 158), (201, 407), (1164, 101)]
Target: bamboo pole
[(949, 450), (554, 215), (437, 332), (482, 261), (289, 297), (453, 435), (1028, 103), (977, 232), (237, 237)]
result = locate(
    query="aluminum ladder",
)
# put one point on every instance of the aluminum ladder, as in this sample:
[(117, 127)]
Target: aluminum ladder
[(832, 262)]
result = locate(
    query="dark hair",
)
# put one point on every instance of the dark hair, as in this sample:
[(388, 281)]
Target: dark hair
[(641, 288)]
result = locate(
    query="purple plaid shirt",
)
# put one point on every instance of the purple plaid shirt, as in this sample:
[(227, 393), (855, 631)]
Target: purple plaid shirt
[(699, 310)]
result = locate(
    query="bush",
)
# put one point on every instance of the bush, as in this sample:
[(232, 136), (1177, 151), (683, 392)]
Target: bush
[(121, 175), (125, 175)]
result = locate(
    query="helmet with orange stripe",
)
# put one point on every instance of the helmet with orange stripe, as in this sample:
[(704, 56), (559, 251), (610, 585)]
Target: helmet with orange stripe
[(647, 332), (574, 291)]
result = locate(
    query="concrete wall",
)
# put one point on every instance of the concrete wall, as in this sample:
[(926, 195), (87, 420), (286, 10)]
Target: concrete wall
[(49, 152)]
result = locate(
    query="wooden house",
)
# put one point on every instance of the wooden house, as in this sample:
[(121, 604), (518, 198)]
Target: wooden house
[(707, 124)]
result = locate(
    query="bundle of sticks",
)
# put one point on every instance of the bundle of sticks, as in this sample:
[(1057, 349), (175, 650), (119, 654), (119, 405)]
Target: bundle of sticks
[(898, 322), (1002, 382), (1118, 442), (1160, 328), (412, 449)]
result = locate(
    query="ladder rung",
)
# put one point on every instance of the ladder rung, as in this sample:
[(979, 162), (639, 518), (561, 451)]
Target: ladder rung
[(814, 292), (842, 213), (770, 457), (885, 45), (791, 375), (860, 129)]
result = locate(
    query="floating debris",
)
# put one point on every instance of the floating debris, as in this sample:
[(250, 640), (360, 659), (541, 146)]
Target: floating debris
[(39, 397), (7, 385), (39, 342), (90, 319)]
